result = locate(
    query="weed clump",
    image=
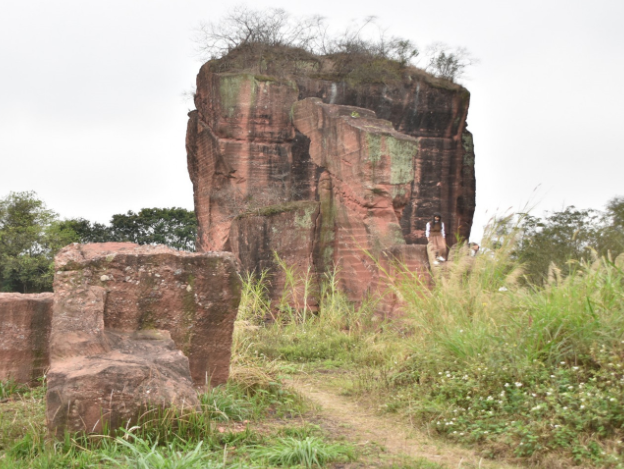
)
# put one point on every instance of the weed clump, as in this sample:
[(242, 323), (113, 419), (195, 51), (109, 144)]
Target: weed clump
[(308, 452)]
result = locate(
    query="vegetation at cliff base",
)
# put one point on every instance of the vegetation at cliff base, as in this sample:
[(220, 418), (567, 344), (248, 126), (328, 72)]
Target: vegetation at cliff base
[(485, 358)]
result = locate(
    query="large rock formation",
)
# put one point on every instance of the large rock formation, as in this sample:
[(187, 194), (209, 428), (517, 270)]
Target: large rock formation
[(134, 327), (24, 335), (325, 172)]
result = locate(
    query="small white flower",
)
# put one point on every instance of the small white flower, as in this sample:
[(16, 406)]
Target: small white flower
[(506, 385), (518, 385)]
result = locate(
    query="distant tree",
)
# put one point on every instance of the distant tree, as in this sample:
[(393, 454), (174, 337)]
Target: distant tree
[(31, 235), (611, 239), (175, 227), (85, 231), (28, 241), (568, 237)]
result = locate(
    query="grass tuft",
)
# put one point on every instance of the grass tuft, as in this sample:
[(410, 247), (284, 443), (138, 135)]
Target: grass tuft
[(308, 452)]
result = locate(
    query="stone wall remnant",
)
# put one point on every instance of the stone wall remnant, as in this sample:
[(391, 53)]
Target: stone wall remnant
[(25, 321), (136, 327)]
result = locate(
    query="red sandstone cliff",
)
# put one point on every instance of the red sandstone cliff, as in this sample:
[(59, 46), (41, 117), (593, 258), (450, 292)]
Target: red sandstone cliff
[(358, 169)]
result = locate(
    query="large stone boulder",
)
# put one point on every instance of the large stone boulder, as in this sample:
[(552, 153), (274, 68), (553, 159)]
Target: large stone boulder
[(25, 321), (136, 327)]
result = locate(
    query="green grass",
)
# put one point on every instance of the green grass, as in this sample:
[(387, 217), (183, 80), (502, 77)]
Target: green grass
[(162, 438), (10, 387), (145, 455), (481, 358), (308, 452)]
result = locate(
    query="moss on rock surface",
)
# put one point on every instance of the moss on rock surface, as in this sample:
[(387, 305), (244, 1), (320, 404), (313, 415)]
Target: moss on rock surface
[(230, 88), (276, 209)]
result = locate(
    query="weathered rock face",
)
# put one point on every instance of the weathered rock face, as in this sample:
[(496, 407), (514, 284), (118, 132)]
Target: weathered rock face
[(435, 112), (24, 335), (288, 230), (136, 326), (256, 145), (241, 134), (366, 183)]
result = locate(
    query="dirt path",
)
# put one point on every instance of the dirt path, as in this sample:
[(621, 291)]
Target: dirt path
[(361, 425)]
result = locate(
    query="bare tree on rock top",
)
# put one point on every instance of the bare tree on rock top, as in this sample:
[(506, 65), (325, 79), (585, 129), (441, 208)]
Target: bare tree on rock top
[(448, 63)]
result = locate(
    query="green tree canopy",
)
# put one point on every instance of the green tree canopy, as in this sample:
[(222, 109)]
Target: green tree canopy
[(568, 237), (175, 227), (29, 237)]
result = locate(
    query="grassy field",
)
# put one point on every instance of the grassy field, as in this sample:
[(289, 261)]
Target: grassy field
[(482, 360), (530, 375)]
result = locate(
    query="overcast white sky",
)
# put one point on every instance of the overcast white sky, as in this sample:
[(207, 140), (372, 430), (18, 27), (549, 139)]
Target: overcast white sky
[(93, 119)]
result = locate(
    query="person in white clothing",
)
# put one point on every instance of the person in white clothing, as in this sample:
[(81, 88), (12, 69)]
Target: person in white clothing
[(436, 237)]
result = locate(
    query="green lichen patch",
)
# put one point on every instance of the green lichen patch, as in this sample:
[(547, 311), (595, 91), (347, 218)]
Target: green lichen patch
[(305, 220), (276, 81), (468, 145), (373, 142), (402, 153), (276, 209), (230, 89)]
